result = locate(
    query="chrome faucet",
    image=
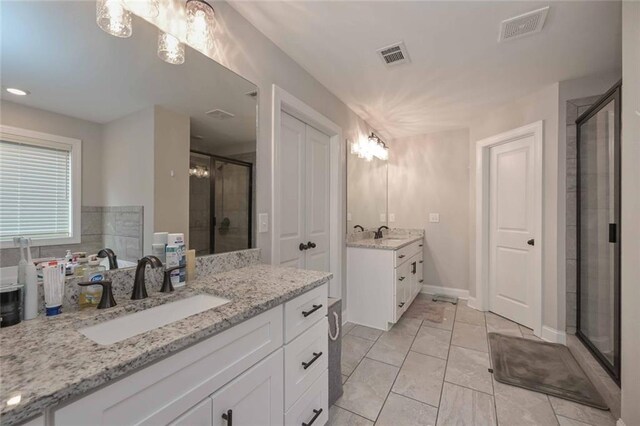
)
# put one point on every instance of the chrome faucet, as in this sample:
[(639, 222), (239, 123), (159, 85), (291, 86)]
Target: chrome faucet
[(139, 289), (113, 259), (378, 233)]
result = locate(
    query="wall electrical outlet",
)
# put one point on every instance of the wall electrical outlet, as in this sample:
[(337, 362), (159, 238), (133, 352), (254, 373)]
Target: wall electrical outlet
[(383, 217), (263, 222), (392, 217), (349, 217), (434, 217)]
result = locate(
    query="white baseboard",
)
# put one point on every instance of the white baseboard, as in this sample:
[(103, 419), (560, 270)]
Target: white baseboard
[(554, 336), (620, 423), (447, 291)]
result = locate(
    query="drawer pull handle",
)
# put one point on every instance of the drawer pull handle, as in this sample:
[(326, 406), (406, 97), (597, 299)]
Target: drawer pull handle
[(422, 261), (316, 414), (401, 305), (315, 308), (420, 245), (401, 279), (228, 416), (316, 355), (421, 281), (402, 256)]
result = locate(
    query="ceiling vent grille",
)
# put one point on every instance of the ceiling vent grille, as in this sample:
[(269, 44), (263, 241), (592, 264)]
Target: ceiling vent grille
[(220, 114), (395, 54), (522, 25)]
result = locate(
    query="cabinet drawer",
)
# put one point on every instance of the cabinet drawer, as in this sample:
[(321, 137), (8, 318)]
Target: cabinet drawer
[(160, 393), (304, 361), (200, 415), (314, 403), (253, 398), (403, 254), (304, 311)]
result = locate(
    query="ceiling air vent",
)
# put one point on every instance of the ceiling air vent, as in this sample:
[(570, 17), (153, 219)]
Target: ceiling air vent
[(522, 25), (220, 114), (395, 54)]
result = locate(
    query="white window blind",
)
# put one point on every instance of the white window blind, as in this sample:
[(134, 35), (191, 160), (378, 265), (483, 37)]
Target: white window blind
[(35, 190)]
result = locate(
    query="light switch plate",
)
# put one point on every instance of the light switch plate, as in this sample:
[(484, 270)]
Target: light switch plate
[(434, 217), (349, 217), (383, 217), (263, 222), (392, 217)]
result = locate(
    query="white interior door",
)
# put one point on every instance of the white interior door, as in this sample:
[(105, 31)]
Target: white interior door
[(317, 200), (292, 191), (512, 229), (304, 195)]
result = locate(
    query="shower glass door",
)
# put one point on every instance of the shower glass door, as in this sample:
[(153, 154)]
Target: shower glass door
[(599, 230)]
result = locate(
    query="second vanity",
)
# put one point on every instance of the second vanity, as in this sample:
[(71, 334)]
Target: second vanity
[(260, 358), (384, 276)]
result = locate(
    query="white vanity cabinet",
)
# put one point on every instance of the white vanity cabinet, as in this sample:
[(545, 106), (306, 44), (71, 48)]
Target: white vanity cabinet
[(382, 283), (244, 373)]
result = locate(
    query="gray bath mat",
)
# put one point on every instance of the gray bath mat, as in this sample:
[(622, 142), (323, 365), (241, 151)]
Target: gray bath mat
[(542, 367)]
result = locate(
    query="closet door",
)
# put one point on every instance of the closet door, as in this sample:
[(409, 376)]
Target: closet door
[(317, 200), (292, 191)]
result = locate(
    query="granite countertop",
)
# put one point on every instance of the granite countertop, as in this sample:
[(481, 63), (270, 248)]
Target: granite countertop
[(386, 243), (46, 360)]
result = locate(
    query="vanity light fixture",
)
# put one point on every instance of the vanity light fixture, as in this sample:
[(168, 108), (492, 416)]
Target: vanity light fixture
[(200, 22), (170, 49), (144, 8), (113, 17), (368, 148), (18, 92), (199, 171)]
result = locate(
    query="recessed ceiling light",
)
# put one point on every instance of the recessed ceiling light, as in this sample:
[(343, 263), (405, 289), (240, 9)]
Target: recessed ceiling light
[(18, 92)]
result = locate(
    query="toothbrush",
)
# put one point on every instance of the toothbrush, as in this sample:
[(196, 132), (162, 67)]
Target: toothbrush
[(31, 286)]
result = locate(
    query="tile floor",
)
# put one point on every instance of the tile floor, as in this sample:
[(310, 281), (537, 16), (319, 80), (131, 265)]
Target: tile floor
[(432, 369)]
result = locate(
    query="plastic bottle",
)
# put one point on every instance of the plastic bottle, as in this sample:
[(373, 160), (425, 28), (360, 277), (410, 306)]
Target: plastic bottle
[(176, 257), (90, 296), (81, 265), (31, 287)]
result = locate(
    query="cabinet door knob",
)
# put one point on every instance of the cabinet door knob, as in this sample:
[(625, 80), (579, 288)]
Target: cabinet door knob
[(531, 242), (316, 413), (402, 256), (303, 247), (401, 305), (401, 279), (228, 416), (311, 245)]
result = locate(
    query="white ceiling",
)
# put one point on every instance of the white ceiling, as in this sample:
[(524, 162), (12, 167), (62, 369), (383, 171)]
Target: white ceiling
[(55, 50), (458, 67)]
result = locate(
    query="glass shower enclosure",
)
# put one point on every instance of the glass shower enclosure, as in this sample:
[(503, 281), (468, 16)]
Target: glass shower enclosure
[(220, 204), (598, 243)]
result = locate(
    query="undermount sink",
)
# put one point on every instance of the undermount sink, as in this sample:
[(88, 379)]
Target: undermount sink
[(121, 328)]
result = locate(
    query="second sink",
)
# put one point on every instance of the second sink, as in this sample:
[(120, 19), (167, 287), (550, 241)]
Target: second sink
[(121, 328)]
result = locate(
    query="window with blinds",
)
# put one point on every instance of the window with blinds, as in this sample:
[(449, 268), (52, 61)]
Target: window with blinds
[(36, 189)]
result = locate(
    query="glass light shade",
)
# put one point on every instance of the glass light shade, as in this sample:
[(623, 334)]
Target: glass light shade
[(200, 23), (170, 49), (144, 8), (113, 18)]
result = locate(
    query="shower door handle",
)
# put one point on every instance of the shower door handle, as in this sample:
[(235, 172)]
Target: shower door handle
[(613, 233), (531, 242)]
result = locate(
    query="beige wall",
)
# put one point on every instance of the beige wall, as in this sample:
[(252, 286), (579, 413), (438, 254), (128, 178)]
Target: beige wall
[(128, 161), (430, 174), (17, 115), (630, 213), (171, 172), (540, 105)]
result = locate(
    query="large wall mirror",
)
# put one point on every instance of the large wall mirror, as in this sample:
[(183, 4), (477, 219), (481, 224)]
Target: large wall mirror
[(164, 147), (366, 192)]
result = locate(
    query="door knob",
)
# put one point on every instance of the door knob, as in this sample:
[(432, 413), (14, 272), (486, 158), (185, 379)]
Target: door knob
[(311, 245), (531, 242), (303, 247)]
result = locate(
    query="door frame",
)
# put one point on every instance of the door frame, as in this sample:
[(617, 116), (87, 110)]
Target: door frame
[(482, 216), (285, 101)]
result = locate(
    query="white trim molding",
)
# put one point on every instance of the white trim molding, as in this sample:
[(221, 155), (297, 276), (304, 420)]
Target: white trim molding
[(482, 216), (284, 101), (447, 291), (554, 336)]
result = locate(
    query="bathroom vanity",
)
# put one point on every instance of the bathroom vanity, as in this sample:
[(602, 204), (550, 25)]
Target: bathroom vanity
[(384, 276), (260, 358)]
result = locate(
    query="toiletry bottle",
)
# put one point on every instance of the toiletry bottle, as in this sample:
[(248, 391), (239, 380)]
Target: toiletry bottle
[(90, 295), (81, 265), (30, 286), (176, 256)]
